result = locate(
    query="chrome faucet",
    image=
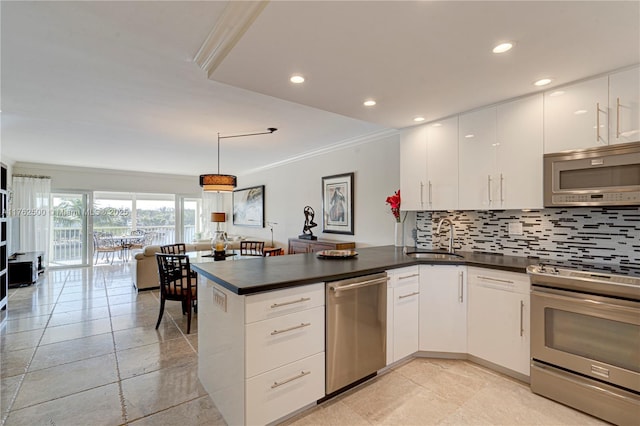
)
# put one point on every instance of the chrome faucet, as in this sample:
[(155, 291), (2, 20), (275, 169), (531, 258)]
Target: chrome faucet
[(451, 236)]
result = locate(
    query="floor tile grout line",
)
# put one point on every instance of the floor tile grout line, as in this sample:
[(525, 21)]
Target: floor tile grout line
[(33, 354), (123, 401), (166, 409)]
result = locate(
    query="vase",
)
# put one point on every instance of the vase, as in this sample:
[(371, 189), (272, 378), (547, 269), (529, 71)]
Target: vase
[(399, 234)]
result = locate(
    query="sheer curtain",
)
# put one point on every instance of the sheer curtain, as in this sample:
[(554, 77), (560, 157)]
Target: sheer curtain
[(30, 203)]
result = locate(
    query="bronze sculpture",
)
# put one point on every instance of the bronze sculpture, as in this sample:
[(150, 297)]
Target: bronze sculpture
[(307, 234)]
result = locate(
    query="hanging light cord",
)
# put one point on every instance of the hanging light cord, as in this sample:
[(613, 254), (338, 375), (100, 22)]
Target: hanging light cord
[(269, 131)]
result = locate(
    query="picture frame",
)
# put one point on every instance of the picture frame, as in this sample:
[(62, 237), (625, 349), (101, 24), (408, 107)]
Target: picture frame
[(337, 204), (248, 206)]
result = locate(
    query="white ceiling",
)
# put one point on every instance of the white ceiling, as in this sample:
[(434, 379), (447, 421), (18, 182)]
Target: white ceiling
[(113, 84)]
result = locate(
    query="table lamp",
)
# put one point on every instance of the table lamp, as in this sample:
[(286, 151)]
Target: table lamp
[(219, 240)]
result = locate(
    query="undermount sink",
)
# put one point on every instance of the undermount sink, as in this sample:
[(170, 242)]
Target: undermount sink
[(435, 255)]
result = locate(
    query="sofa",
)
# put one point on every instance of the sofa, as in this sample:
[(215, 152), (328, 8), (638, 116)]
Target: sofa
[(144, 270)]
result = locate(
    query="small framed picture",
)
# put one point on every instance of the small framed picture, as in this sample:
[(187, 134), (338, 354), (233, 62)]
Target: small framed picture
[(248, 206), (337, 204)]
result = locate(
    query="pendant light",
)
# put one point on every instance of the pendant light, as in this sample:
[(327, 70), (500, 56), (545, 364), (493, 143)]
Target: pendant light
[(225, 183)]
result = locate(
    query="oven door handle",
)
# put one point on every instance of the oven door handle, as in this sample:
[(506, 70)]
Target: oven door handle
[(580, 297)]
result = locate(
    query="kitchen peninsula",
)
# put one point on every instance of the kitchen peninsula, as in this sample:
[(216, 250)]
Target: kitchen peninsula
[(261, 338)]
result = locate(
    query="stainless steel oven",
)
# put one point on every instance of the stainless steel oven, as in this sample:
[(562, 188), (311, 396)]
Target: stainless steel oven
[(602, 176), (585, 341)]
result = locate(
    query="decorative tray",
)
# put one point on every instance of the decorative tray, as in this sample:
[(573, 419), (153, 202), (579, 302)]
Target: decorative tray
[(336, 254)]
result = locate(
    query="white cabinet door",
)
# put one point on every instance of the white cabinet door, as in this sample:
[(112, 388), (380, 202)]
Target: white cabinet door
[(477, 159), (519, 154), (442, 165), (624, 106), (575, 116), (498, 318), (443, 308), (406, 296), (413, 167), (389, 322), (402, 312)]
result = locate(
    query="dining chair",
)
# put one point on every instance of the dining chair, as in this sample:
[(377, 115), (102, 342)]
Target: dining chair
[(177, 283), (177, 248), (251, 248), (268, 252), (104, 243)]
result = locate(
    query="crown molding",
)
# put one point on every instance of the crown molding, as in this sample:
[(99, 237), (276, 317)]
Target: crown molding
[(347, 143), (235, 20)]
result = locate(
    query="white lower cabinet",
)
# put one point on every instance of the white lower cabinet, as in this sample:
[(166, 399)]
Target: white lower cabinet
[(278, 392), (261, 357), (405, 285), (498, 318), (443, 308)]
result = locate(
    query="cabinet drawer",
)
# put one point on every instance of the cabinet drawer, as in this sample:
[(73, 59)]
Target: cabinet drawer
[(500, 280), (279, 392), (284, 339), (281, 302), (405, 276)]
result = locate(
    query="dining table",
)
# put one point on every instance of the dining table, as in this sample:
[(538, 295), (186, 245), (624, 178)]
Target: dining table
[(124, 242)]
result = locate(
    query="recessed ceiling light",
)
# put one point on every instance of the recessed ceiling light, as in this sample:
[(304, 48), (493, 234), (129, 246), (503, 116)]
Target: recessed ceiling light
[(557, 93), (470, 135), (436, 125), (418, 119), (502, 47), (542, 82), (297, 79), (580, 112), (369, 102)]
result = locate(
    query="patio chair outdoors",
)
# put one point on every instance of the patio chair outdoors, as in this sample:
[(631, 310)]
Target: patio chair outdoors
[(176, 283), (105, 244)]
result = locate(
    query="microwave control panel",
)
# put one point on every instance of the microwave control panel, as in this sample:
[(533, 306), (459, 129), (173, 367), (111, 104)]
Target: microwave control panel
[(606, 198)]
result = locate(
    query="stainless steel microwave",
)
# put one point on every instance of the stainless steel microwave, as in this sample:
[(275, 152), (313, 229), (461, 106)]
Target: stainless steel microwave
[(602, 176)]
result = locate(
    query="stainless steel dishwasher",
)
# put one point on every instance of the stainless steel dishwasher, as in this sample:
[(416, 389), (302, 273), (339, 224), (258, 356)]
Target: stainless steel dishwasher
[(356, 319)]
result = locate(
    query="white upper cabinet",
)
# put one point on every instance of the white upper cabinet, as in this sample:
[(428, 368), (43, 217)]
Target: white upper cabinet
[(519, 154), (501, 156), (575, 116), (624, 106), (442, 165), (477, 159), (413, 168)]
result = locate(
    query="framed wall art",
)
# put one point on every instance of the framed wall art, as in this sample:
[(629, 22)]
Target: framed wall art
[(337, 204), (248, 206)]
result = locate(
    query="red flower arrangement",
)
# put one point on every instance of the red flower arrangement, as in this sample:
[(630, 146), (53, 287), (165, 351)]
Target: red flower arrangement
[(394, 202)]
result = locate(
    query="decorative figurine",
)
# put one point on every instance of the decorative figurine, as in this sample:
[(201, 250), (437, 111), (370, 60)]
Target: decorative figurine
[(307, 234)]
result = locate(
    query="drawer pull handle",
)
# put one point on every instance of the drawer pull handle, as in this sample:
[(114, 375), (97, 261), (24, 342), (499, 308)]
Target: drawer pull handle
[(495, 279), (284, 382), (521, 318), (295, 327), (302, 299), (408, 295), (408, 276)]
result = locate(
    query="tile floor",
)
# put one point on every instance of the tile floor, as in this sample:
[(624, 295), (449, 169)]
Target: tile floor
[(80, 348)]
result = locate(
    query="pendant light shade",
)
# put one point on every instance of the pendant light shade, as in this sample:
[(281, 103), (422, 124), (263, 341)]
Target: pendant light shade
[(220, 183), (225, 183)]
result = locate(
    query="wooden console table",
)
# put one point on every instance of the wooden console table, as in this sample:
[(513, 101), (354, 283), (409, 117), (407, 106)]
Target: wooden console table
[(25, 267), (299, 245)]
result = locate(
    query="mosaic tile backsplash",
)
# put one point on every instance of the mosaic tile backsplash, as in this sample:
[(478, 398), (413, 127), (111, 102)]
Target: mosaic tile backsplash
[(578, 235)]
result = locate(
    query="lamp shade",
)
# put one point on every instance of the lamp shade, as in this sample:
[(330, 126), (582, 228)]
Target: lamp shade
[(218, 217), (216, 182)]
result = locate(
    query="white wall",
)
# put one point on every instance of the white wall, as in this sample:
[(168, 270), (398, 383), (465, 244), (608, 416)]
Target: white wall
[(291, 187)]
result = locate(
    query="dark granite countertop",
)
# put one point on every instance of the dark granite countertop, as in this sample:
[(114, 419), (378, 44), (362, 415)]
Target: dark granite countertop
[(249, 276)]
